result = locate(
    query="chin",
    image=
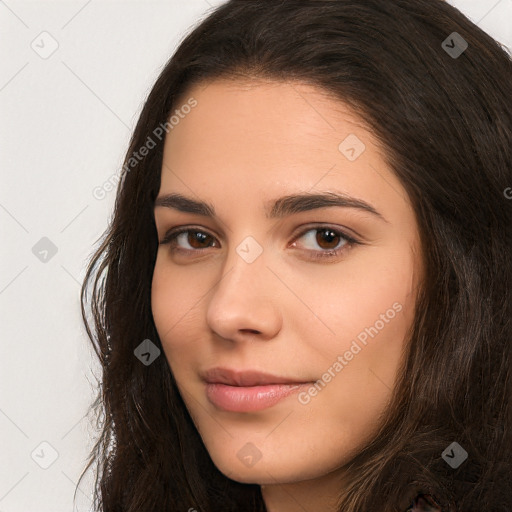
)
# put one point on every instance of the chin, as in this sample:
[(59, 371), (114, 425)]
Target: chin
[(266, 472)]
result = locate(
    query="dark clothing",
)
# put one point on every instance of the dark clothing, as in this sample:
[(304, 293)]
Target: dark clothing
[(423, 503)]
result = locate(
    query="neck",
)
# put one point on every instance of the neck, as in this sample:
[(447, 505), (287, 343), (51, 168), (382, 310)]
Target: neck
[(318, 495)]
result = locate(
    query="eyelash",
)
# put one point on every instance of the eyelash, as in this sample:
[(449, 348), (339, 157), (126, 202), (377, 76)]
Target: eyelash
[(172, 235)]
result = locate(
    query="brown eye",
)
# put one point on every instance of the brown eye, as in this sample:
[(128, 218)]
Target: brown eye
[(324, 242), (197, 239), (188, 240), (319, 242), (327, 238), (324, 238)]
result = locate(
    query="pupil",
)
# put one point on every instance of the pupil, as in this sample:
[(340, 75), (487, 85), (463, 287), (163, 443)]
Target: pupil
[(197, 238), (326, 235)]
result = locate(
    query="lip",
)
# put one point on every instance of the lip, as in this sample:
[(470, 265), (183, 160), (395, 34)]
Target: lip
[(249, 390), (246, 378), (249, 398)]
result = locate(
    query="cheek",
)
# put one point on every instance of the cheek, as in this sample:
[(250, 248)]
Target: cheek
[(376, 287), (169, 300), (177, 307), (163, 299), (366, 312)]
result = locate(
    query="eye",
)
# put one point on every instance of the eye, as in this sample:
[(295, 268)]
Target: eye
[(323, 241), (193, 238), (332, 242)]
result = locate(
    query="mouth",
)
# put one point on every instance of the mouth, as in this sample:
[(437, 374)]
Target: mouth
[(247, 391)]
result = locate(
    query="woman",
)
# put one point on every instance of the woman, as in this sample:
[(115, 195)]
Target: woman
[(303, 301)]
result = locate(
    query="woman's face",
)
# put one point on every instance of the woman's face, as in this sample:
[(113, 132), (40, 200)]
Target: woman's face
[(267, 281)]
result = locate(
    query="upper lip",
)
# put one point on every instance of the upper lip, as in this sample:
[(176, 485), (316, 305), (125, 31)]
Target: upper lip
[(245, 378)]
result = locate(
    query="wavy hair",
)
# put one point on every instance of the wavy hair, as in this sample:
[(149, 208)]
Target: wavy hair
[(445, 123)]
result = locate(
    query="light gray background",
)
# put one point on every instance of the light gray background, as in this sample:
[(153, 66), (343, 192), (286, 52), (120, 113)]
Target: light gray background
[(65, 123)]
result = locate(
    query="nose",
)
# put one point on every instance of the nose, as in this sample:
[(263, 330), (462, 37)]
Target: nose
[(244, 301)]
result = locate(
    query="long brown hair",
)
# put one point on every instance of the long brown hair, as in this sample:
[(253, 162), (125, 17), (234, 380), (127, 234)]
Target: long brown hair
[(439, 103)]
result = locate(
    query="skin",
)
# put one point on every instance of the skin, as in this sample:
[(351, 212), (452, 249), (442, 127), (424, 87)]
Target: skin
[(285, 313)]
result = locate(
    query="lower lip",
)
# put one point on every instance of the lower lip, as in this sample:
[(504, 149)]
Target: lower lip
[(248, 399)]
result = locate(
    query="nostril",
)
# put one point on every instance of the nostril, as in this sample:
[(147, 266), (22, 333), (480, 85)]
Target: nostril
[(253, 331)]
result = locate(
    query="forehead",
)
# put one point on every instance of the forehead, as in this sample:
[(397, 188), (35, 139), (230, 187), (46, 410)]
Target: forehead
[(248, 137), (284, 118)]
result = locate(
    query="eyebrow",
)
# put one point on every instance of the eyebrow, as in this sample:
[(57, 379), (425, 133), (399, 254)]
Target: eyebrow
[(277, 208)]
